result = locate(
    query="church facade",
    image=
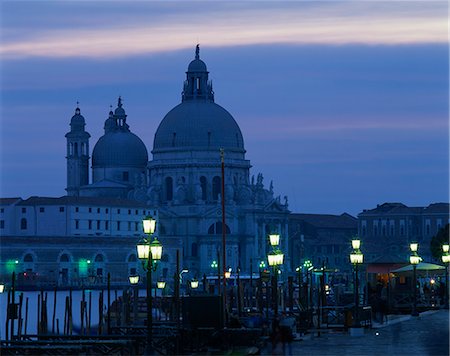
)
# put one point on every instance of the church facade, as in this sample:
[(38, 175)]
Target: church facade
[(181, 184)]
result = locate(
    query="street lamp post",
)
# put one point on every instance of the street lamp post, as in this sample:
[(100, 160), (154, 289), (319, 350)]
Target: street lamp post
[(356, 258), (134, 280), (160, 285), (446, 260), (149, 252), (308, 266), (300, 286), (414, 259), (275, 259)]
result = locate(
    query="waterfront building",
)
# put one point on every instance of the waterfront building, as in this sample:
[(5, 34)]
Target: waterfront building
[(389, 228), (181, 184)]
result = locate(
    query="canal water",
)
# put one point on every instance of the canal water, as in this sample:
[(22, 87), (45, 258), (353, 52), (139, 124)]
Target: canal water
[(59, 308)]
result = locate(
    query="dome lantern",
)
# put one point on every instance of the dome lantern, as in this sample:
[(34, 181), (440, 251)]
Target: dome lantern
[(197, 86)]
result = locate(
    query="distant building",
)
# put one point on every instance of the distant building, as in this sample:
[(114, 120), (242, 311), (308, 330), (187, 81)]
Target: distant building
[(323, 239), (391, 227), (69, 240)]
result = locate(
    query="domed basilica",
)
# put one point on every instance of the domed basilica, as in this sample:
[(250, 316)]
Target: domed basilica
[(183, 179)]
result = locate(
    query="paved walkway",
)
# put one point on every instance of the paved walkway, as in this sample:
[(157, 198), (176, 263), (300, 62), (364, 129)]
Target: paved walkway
[(427, 334)]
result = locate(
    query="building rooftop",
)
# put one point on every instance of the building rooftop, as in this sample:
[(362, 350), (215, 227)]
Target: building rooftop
[(401, 209), (343, 221), (69, 200)]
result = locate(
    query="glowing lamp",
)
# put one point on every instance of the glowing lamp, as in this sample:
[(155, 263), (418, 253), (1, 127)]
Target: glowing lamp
[(156, 249), (161, 284), (143, 250), (149, 225), (275, 258), (414, 259), (2, 288), (194, 283), (445, 248), (134, 279), (414, 246), (356, 258), (228, 273), (356, 244), (274, 239)]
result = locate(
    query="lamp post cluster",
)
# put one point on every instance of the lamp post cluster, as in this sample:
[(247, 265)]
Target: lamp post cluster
[(446, 261), (149, 252), (414, 259), (275, 259), (356, 258)]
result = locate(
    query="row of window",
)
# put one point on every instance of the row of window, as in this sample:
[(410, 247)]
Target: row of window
[(106, 210), (214, 229), (391, 231), (97, 225), (77, 209)]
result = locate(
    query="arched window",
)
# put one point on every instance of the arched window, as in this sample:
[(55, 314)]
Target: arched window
[(132, 258), (64, 258), (194, 250), (216, 187), (203, 185), (23, 224), (216, 229), (75, 149), (99, 258), (169, 188), (28, 258)]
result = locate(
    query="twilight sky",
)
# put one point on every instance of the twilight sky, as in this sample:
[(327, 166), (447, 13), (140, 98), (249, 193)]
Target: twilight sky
[(344, 105)]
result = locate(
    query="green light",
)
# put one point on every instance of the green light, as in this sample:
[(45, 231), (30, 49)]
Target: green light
[(83, 267), (10, 266), (16, 261), (262, 264), (214, 264), (88, 261)]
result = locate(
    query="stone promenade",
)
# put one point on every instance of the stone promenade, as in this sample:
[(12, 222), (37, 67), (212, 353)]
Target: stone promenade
[(427, 334)]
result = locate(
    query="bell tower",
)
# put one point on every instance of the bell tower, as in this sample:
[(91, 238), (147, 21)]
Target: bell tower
[(77, 154)]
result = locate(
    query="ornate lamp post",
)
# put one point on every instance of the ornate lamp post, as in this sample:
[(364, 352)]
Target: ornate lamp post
[(134, 280), (308, 266), (446, 261), (160, 285), (275, 259), (414, 259), (149, 252), (356, 258)]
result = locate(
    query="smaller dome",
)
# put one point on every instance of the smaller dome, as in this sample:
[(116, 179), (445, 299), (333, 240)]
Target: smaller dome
[(77, 121), (197, 65), (119, 149), (119, 110)]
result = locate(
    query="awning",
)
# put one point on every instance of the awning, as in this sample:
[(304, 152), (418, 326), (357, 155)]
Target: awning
[(422, 266)]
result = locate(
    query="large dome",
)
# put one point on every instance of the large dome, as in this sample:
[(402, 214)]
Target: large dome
[(198, 124), (119, 149)]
